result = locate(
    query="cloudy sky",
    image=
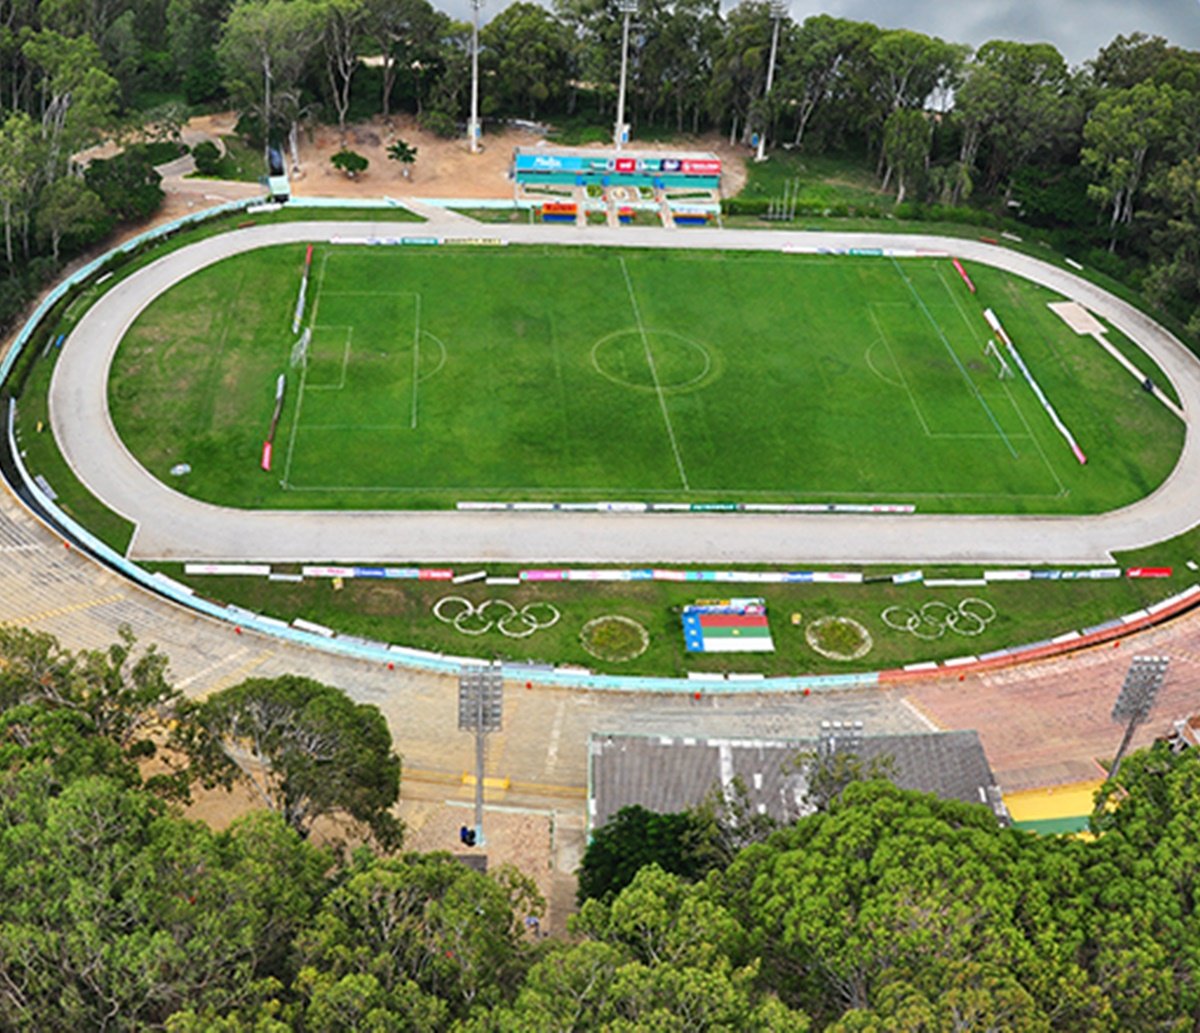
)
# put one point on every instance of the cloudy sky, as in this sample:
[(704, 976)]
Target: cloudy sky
[(1077, 27)]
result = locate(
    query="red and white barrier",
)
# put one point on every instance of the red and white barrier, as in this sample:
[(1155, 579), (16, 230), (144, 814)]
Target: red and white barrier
[(963, 273), (303, 290), (994, 323)]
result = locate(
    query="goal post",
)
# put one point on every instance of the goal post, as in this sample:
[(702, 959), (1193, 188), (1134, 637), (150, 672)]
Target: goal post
[(299, 358), (1004, 370)]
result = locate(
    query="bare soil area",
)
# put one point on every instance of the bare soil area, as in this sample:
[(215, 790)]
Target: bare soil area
[(446, 168)]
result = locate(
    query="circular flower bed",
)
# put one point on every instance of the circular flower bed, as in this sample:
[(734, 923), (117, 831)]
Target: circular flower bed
[(614, 638), (838, 638)]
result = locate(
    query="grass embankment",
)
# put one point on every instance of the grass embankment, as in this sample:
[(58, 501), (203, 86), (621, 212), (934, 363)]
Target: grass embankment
[(402, 612)]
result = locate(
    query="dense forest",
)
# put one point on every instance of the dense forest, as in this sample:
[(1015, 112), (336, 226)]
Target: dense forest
[(1104, 158), (883, 910)]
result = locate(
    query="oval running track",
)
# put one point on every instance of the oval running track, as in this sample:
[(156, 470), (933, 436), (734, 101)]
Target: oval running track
[(171, 526)]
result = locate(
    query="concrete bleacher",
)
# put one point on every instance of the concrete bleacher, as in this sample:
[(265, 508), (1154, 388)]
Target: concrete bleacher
[(672, 773)]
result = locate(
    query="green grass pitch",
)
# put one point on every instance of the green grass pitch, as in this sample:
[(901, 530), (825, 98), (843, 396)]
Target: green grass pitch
[(436, 375)]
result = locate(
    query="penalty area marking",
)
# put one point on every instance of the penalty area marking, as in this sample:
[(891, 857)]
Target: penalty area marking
[(978, 336), (954, 355)]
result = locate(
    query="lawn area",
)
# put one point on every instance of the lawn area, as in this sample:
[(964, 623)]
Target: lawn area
[(606, 373), (815, 181), (402, 612)]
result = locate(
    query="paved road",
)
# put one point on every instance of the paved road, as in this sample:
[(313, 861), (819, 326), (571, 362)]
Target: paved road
[(172, 526)]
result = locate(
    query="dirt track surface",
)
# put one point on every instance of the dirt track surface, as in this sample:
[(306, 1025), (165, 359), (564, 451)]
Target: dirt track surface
[(173, 526)]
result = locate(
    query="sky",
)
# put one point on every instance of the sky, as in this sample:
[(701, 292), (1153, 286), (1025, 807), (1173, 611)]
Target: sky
[(1078, 28)]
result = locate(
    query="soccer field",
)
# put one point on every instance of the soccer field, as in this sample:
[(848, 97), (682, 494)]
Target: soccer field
[(437, 375)]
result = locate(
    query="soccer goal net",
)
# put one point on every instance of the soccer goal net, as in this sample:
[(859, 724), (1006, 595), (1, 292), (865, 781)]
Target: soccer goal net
[(300, 350)]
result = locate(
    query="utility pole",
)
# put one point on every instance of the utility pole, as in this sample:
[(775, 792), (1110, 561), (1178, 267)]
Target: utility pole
[(267, 112), (473, 124), (480, 699), (1142, 682), (778, 13), (627, 8)]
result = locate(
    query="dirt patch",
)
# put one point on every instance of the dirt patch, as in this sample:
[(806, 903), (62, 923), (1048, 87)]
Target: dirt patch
[(538, 844), (446, 168)]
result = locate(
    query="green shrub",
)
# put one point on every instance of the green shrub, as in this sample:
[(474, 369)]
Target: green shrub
[(208, 158)]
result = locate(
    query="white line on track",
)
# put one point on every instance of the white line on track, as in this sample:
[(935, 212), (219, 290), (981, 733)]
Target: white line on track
[(654, 375)]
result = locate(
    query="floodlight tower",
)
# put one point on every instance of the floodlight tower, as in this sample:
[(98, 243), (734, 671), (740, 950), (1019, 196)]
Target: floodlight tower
[(778, 13), (627, 8), (480, 698), (473, 124), (1142, 682)]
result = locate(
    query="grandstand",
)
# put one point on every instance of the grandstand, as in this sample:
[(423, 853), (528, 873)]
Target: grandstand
[(678, 186)]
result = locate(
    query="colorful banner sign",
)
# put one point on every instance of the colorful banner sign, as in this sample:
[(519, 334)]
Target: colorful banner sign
[(623, 165)]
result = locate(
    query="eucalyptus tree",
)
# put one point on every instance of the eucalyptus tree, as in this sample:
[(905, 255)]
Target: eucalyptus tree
[(264, 49), (345, 24)]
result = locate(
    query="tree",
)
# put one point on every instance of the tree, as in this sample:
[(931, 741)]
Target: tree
[(349, 162), (662, 955), (414, 939), (906, 141), (525, 51), (890, 887), (1173, 277), (911, 66), (208, 158), (813, 58), (264, 49), (114, 915), (127, 185), (79, 97), (193, 28), (304, 748), (632, 838), (1128, 60), (19, 161), (1119, 136), (740, 65), (344, 23), (404, 153), (677, 61), (408, 34), (123, 695)]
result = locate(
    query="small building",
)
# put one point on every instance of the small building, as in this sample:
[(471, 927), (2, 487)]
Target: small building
[(672, 773)]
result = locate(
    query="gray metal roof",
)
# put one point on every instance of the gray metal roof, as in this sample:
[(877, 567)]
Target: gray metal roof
[(672, 773)]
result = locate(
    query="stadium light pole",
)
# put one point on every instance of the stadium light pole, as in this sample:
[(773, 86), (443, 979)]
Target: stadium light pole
[(473, 125), (627, 8), (778, 13), (1142, 682), (480, 699)]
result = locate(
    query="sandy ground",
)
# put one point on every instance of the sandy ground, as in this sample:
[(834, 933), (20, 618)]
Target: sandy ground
[(446, 168), (543, 845)]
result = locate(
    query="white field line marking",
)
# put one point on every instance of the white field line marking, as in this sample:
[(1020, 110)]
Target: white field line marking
[(899, 369), (662, 401), (954, 355), (345, 363), (416, 357), (542, 492), (287, 466), (978, 335)]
